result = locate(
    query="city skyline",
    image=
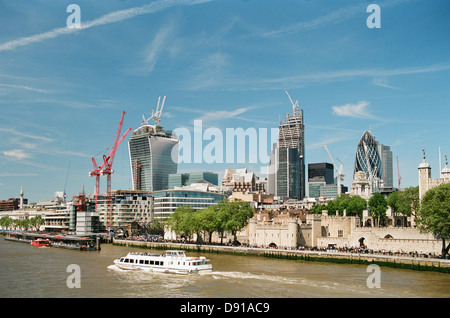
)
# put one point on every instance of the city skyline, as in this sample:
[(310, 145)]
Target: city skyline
[(226, 63)]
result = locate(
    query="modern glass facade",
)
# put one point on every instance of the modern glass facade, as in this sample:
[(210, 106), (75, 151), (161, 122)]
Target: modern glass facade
[(288, 181), (286, 171), (153, 156), (368, 157), (321, 172), (185, 179), (165, 202), (387, 165)]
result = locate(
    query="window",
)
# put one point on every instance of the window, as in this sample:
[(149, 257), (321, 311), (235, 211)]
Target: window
[(146, 262), (340, 233), (141, 261)]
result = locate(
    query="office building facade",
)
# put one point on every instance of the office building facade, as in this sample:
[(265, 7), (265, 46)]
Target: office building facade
[(386, 166), (185, 179), (153, 156), (368, 160), (165, 202), (286, 174)]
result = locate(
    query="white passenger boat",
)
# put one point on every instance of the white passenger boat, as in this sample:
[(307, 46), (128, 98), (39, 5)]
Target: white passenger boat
[(170, 262)]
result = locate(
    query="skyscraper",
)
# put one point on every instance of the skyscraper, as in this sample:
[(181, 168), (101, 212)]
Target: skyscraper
[(386, 166), (153, 154), (286, 176), (368, 160)]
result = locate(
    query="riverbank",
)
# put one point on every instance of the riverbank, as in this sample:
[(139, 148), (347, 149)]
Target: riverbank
[(332, 256)]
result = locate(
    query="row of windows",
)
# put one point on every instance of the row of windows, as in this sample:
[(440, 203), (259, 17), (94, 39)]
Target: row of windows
[(142, 261)]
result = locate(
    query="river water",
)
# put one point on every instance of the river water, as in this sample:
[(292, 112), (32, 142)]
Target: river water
[(27, 271)]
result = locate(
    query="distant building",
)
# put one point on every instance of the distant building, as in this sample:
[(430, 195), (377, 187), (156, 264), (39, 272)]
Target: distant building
[(368, 160), (239, 180), (321, 172), (387, 180), (10, 204), (165, 202), (153, 155), (286, 174), (185, 179), (126, 206), (321, 175), (330, 191)]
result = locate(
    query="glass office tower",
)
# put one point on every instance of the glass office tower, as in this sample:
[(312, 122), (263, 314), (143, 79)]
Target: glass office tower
[(153, 156), (368, 159), (286, 173)]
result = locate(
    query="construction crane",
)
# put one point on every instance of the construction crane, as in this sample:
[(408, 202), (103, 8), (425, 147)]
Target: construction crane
[(399, 177), (156, 115), (340, 174), (106, 169), (294, 105)]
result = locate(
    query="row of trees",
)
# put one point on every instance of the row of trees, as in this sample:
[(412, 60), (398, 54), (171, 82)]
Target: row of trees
[(26, 224), (404, 202), (226, 216)]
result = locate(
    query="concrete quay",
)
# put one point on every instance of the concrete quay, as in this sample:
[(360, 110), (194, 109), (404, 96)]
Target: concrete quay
[(332, 256)]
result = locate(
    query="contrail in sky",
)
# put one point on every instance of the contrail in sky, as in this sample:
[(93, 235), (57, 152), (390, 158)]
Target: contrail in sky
[(109, 18)]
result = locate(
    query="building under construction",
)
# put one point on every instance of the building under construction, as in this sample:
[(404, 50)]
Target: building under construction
[(153, 154), (286, 176)]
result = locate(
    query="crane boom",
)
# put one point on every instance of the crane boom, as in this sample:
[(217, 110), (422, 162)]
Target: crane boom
[(339, 172)]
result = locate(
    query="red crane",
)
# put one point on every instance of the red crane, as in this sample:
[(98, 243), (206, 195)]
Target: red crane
[(106, 169)]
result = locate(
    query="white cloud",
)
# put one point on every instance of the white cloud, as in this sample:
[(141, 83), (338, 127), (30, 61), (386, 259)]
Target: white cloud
[(358, 110), (327, 19), (209, 71), (24, 87), (17, 154), (224, 114), (25, 135), (383, 82), (109, 18), (159, 43)]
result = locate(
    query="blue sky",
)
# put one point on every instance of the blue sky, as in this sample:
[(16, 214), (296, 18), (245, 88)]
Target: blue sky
[(226, 62)]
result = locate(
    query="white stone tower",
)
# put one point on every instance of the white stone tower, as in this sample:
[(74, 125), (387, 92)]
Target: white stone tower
[(424, 176), (21, 198)]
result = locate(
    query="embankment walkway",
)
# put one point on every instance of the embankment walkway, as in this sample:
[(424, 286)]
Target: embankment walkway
[(332, 256)]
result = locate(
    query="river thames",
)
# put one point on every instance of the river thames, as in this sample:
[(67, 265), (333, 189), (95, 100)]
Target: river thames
[(31, 272)]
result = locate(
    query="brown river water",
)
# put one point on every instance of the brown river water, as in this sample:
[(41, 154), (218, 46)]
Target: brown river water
[(32, 272)]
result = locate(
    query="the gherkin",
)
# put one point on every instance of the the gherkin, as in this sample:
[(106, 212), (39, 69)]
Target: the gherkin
[(368, 157)]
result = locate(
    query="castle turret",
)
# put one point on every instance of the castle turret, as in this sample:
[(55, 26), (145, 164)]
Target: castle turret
[(424, 176)]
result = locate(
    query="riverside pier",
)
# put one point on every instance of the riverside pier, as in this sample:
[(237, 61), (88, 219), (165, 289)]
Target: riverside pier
[(83, 243)]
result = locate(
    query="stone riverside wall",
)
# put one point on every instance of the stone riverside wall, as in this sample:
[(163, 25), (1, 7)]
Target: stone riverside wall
[(332, 256)]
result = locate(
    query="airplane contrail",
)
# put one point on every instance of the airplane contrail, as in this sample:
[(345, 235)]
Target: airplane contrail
[(109, 18)]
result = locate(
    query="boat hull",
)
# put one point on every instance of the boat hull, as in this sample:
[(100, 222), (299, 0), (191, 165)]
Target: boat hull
[(173, 262), (40, 244)]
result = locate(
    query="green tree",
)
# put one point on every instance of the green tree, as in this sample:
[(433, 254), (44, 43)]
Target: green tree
[(208, 220), (5, 222), (343, 200), (394, 201), (434, 214), (318, 208), (378, 206), (237, 215), (409, 202), (356, 205), (181, 221)]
